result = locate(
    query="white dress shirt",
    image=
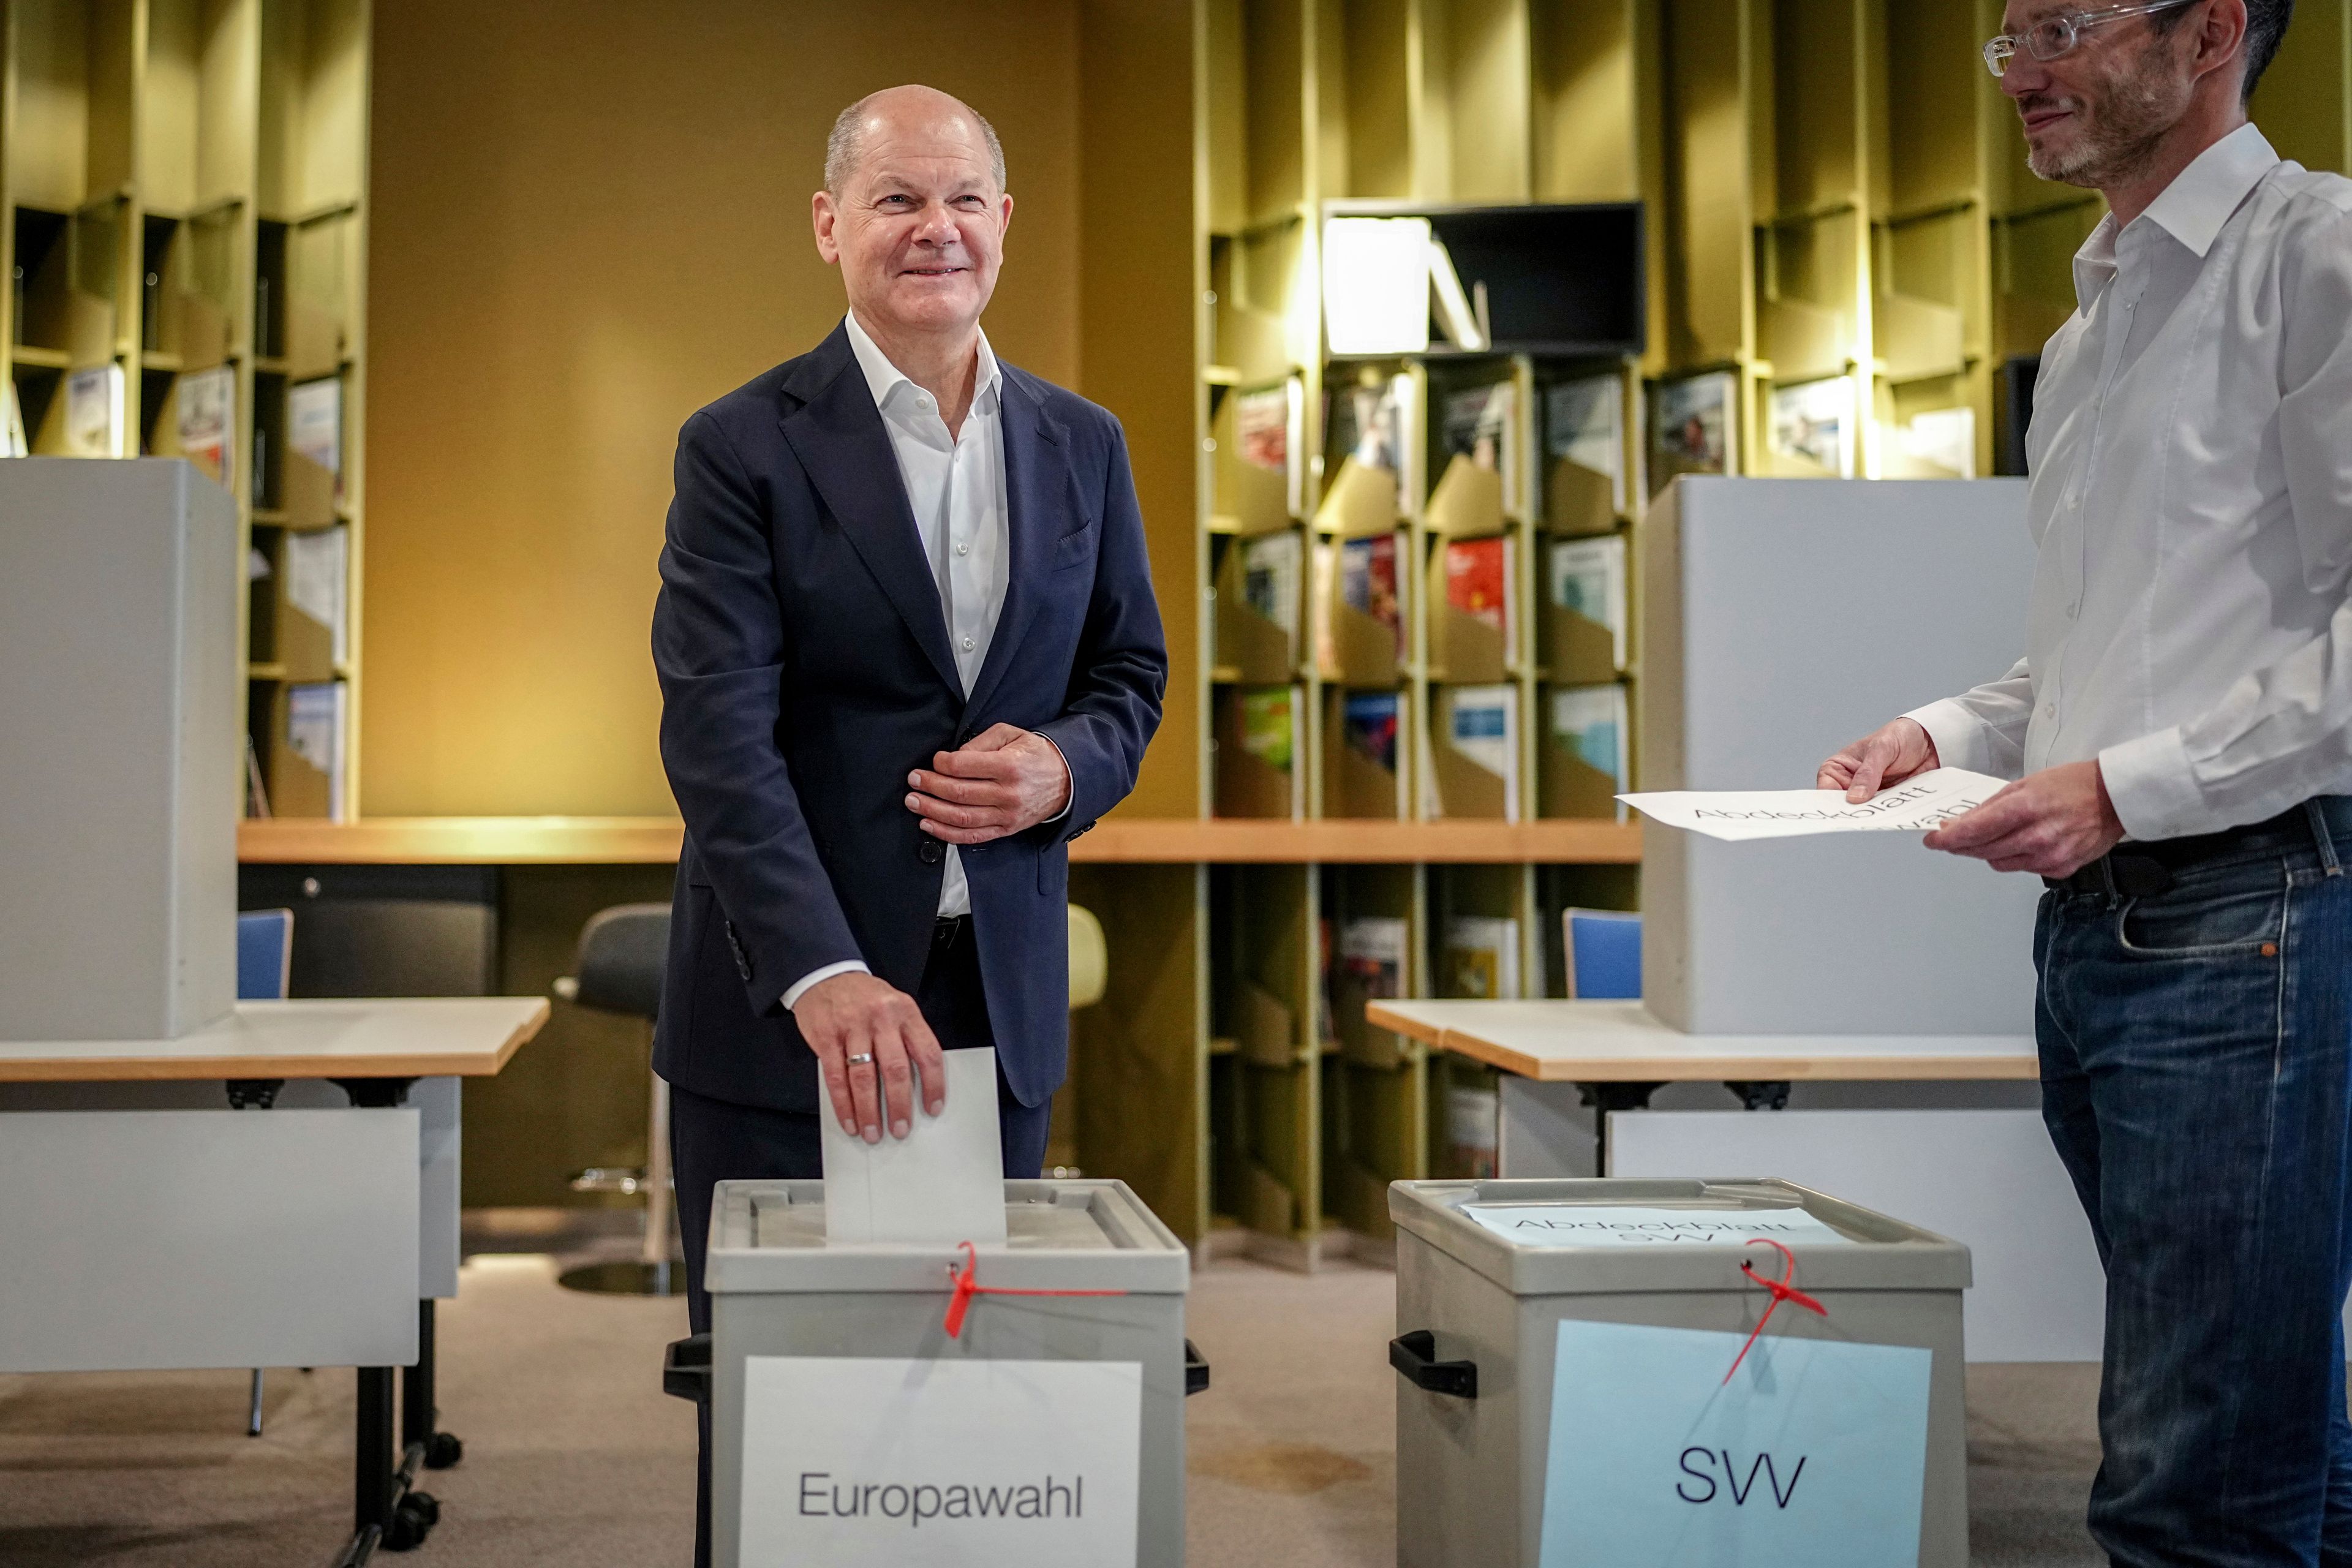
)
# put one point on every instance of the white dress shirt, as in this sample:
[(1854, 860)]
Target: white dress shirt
[(955, 486), (2191, 498)]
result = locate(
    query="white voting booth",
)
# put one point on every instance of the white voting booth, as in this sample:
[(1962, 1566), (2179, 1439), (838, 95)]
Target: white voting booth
[(1781, 619)]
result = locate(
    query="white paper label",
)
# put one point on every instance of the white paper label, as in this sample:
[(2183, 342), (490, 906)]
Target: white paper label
[(928, 1464), (1588, 1225)]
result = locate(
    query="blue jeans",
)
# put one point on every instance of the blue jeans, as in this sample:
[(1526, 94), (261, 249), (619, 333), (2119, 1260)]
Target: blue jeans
[(2196, 1046)]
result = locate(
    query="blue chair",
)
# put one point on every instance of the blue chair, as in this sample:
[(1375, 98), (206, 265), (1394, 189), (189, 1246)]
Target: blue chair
[(1604, 955), (265, 954), (264, 963)]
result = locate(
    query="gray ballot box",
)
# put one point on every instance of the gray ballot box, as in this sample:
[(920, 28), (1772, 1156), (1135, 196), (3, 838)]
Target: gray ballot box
[(779, 1289), (1478, 1317)]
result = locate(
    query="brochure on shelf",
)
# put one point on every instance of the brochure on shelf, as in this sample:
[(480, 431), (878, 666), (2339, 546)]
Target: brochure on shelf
[(1471, 596), (1584, 618), (1257, 773), (1368, 448), (205, 422), (1364, 752), (1586, 765), (94, 416), (1584, 449), (1475, 752), (311, 626), (311, 742), (1260, 450), (1483, 481), (1374, 959), (1813, 424), (1694, 428), (310, 481), (1481, 957), (1252, 646), (1359, 616)]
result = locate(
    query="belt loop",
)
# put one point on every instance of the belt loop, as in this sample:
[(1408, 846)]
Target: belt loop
[(2106, 865), (2323, 838)]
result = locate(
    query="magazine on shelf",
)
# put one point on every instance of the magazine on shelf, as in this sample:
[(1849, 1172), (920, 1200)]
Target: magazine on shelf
[(1270, 576), (1481, 957), (1480, 753), (1944, 437), (1267, 430), (205, 419), (1589, 762), (1370, 722), (1478, 581), (1368, 580), (1696, 427), (94, 412), (1587, 579), (1584, 424), (1814, 420), (1481, 424)]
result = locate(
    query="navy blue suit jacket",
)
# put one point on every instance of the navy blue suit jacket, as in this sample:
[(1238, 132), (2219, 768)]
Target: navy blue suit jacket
[(805, 670)]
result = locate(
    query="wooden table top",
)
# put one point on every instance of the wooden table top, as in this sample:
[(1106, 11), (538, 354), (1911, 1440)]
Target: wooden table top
[(1620, 1042), (1117, 840), (435, 1036)]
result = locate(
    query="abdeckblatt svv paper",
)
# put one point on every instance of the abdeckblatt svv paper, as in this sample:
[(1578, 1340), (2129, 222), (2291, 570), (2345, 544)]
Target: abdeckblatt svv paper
[(1919, 804), (942, 1183)]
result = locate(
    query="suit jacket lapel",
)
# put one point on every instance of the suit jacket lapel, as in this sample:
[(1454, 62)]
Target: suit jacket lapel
[(838, 435), (1036, 480)]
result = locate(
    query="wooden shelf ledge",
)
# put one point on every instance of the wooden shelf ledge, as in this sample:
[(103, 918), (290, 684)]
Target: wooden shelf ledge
[(654, 841)]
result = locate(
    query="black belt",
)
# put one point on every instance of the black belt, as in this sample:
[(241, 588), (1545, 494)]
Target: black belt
[(946, 929), (2144, 870)]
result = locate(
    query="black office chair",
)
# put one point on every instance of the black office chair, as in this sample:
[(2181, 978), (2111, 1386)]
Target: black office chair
[(619, 967)]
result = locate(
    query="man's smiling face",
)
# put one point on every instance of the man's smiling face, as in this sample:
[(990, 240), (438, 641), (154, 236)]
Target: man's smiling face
[(919, 227), (2092, 114)]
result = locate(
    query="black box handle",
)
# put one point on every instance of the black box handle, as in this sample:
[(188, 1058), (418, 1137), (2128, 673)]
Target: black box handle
[(1196, 1371), (1414, 1354), (686, 1368)]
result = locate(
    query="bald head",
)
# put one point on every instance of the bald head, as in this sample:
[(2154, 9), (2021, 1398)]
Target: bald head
[(911, 111)]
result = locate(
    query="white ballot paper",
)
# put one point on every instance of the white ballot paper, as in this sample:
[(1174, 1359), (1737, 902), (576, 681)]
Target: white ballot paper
[(1920, 805), (942, 1183)]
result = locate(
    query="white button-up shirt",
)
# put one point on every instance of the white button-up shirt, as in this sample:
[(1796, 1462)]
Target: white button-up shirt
[(955, 486), (2192, 498)]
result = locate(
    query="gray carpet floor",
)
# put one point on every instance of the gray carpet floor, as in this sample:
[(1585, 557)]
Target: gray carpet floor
[(575, 1457)]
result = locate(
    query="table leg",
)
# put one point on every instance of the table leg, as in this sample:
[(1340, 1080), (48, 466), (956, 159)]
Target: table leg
[(419, 1413), (1605, 1097)]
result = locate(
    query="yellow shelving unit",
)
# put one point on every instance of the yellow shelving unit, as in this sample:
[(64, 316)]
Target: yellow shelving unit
[(183, 184)]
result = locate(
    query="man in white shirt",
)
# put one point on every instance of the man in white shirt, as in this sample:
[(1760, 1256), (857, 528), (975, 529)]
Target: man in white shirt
[(909, 650), (2182, 731)]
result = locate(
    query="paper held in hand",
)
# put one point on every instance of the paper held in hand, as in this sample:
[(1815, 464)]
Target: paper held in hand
[(1920, 805), (942, 1184)]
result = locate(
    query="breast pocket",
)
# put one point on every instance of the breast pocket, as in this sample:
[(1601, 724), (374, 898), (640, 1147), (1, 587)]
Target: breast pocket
[(1075, 548)]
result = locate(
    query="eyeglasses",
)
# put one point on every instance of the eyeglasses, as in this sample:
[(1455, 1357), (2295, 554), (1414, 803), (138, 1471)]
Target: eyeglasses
[(2061, 34)]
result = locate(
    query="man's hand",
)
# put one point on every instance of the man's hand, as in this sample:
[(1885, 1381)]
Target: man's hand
[(1885, 757), (860, 1014), (2053, 823), (1005, 782)]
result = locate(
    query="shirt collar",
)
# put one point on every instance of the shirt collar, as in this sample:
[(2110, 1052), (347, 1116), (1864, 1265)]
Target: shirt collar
[(883, 378), (2193, 209)]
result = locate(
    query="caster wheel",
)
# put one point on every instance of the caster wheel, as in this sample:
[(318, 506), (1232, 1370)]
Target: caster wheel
[(411, 1523), (442, 1450)]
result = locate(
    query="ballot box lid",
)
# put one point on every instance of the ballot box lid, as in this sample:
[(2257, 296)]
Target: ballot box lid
[(1085, 1234), (1612, 1236)]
